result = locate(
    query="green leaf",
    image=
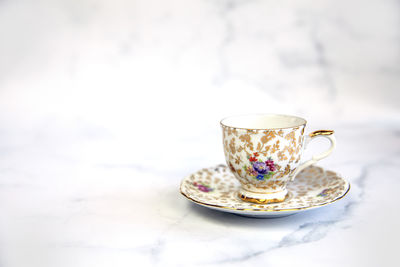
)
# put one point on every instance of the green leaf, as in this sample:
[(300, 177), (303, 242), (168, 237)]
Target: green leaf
[(269, 175)]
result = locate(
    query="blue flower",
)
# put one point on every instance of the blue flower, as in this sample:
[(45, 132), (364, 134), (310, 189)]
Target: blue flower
[(260, 177)]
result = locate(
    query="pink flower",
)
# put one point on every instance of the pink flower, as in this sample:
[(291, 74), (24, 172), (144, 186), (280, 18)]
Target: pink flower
[(271, 165), (202, 187)]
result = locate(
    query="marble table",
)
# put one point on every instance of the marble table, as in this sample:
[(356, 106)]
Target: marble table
[(59, 210), (106, 105)]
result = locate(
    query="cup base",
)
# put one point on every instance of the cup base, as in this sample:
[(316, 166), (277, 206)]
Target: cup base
[(262, 198)]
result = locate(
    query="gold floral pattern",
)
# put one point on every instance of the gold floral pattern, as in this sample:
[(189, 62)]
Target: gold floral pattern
[(313, 187), (281, 146)]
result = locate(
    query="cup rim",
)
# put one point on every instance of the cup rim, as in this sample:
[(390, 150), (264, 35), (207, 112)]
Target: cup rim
[(304, 122)]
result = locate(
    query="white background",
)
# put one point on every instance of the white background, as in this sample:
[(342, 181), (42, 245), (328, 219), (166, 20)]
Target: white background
[(106, 105)]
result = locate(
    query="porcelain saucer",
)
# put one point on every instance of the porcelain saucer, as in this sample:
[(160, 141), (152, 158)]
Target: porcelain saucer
[(216, 188)]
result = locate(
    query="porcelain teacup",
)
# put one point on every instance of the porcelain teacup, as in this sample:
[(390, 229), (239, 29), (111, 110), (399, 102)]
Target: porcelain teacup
[(264, 153)]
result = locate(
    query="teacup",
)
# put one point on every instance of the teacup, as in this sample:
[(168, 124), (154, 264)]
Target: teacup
[(264, 153)]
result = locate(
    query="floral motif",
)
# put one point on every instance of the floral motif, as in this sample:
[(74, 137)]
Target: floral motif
[(244, 148), (203, 187), (301, 197), (325, 192), (259, 169)]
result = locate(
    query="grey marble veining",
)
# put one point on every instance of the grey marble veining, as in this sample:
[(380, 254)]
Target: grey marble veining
[(105, 106)]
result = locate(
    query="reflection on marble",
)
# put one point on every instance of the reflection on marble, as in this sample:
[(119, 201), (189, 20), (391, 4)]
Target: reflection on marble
[(106, 105)]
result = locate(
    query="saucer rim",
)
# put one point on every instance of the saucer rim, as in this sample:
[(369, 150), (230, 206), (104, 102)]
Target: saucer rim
[(266, 210)]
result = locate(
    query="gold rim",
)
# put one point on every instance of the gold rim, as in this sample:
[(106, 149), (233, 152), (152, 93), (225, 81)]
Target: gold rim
[(264, 210), (263, 129)]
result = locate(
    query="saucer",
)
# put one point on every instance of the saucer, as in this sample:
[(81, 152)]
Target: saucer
[(216, 188)]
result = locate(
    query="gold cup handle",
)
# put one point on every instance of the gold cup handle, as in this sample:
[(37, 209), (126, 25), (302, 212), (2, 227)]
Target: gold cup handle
[(329, 134)]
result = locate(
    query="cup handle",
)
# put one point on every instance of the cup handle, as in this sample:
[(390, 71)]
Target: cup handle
[(329, 134)]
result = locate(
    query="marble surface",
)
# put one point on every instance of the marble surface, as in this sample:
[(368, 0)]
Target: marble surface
[(106, 105)]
